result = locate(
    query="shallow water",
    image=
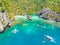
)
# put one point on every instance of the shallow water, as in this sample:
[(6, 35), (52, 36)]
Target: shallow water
[(31, 32)]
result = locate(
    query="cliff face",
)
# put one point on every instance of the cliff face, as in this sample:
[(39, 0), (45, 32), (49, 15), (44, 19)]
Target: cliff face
[(4, 20), (4, 17), (48, 14)]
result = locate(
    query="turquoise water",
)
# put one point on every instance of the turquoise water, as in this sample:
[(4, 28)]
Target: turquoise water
[(31, 32)]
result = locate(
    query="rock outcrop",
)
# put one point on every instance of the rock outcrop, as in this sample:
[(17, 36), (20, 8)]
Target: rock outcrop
[(48, 14), (4, 21)]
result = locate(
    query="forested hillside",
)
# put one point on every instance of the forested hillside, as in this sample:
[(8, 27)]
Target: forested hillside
[(19, 7)]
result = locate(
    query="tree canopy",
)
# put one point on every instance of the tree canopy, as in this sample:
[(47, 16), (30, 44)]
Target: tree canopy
[(19, 7)]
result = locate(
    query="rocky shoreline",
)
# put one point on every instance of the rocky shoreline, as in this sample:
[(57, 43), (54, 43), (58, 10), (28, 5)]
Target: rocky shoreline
[(48, 14), (5, 22)]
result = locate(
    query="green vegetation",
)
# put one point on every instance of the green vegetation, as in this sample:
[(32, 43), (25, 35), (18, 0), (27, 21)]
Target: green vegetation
[(19, 7)]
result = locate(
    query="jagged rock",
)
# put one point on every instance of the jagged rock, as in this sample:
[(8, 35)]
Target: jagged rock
[(1, 27), (29, 17), (4, 18), (48, 14)]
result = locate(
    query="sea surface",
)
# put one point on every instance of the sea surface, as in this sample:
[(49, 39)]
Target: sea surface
[(31, 32)]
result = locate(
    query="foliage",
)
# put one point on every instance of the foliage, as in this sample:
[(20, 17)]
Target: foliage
[(19, 7)]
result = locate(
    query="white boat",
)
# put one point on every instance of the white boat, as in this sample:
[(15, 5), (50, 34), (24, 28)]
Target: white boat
[(50, 38), (5, 19)]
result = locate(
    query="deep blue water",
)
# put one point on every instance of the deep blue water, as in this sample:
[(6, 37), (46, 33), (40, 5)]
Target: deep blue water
[(31, 32)]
